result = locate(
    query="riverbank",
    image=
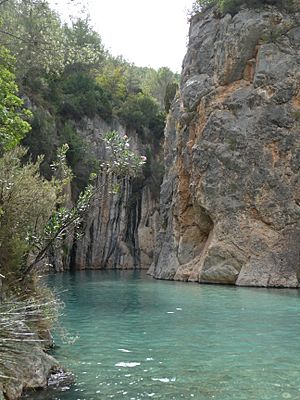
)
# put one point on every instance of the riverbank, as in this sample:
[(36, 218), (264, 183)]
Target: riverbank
[(26, 317)]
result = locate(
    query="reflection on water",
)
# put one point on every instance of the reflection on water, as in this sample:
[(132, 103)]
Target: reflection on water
[(146, 339)]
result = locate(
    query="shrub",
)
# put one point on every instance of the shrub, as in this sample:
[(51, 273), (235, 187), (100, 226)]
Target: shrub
[(233, 6), (79, 157), (12, 125), (170, 94), (21, 187), (138, 111), (42, 140), (157, 125), (82, 96)]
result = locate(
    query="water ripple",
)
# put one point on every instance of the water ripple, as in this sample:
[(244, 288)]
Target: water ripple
[(177, 341)]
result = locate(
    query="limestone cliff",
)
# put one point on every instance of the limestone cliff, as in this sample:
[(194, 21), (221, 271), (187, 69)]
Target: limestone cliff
[(230, 199), (120, 228)]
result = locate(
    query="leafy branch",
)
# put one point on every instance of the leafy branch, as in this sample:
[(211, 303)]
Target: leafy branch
[(121, 162)]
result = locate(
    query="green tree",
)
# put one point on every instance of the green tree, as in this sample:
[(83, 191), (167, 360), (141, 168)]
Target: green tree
[(113, 80), (138, 111), (171, 90), (43, 46), (82, 96), (33, 33), (13, 127), (83, 46), (26, 201), (157, 82)]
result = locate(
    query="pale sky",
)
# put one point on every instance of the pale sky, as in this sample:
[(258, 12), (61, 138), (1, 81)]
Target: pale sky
[(146, 32)]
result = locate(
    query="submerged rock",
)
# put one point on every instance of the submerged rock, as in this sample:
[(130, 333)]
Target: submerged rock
[(57, 380), (230, 199)]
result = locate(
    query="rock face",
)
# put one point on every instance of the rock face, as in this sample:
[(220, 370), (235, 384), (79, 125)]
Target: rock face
[(230, 199), (33, 373), (120, 228)]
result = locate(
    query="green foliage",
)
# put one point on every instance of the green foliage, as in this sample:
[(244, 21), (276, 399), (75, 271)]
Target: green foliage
[(83, 46), (121, 160), (79, 157), (233, 6), (13, 127), (157, 126), (32, 31), (113, 81), (200, 5), (138, 111), (27, 201), (42, 45), (171, 90), (42, 140), (156, 83), (82, 96), (68, 76)]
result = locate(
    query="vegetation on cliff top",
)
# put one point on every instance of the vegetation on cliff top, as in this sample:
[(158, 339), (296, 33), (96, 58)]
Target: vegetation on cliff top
[(233, 6), (66, 76)]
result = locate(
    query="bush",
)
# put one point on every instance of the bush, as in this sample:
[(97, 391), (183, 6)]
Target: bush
[(170, 94), (157, 125), (138, 111), (26, 201), (13, 127), (79, 157), (81, 96), (233, 6), (42, 140)]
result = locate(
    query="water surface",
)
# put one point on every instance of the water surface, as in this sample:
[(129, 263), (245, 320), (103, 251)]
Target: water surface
[(145, 339)]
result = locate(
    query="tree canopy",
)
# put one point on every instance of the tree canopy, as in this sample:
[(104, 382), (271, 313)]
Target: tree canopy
[(68, 75), (13, 127)]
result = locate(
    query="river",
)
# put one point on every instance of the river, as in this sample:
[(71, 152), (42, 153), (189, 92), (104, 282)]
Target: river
[(139, 338)]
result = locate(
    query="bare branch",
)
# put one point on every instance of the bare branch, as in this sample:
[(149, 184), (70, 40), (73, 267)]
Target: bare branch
[(42, 253), (25, 40)]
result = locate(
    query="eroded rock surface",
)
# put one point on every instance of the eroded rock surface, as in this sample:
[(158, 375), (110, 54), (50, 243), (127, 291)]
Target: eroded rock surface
[(120, 228), (33, 373), (230, 200)]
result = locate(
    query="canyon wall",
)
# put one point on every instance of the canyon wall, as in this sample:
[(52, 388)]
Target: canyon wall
[(120, 227), (230, 198)]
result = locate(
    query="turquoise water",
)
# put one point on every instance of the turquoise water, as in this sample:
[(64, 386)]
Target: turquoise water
[(145, 339)]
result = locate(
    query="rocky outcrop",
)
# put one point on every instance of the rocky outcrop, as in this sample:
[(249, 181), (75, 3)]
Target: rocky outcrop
[(120, 228), (230, 199), (32, 373)]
